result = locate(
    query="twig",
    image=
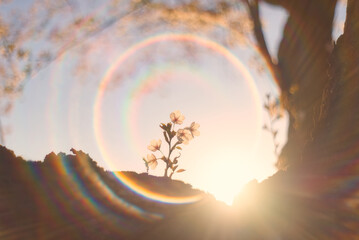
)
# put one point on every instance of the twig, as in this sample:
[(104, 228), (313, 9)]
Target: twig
[(253, 9)]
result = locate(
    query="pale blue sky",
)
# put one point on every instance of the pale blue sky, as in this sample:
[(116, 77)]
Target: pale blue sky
[(55, 113)]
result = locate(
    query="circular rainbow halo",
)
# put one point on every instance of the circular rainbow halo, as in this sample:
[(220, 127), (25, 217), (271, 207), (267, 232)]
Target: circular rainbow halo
[(129, 101)]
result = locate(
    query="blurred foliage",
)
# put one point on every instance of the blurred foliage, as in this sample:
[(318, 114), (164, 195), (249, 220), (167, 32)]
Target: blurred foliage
[(34, 34), (275, 113)]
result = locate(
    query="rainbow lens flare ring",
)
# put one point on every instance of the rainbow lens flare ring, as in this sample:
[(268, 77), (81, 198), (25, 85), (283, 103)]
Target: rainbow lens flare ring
[(214, 47)]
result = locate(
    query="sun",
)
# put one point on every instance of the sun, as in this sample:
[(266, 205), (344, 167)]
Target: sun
[(221, 173), (222, 168)]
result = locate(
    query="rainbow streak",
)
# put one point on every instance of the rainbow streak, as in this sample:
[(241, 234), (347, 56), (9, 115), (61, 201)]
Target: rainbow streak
[(144, 192), (53, 202), (77, 188), (97, 208), (203, 42), (44, 196)]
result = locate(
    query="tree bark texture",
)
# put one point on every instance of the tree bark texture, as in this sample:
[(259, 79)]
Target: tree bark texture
[(303, 63), (320, 90)]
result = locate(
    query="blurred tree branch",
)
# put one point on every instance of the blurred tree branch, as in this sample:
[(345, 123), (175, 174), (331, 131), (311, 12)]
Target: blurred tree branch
[(253, 9)]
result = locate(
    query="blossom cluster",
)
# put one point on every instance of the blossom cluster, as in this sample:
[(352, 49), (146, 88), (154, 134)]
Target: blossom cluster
[(183, 136)]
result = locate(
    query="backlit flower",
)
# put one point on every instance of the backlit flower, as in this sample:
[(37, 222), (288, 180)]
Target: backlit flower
[(155, 145), (194, 129), (177, 117), (152, 161), (184, 135)]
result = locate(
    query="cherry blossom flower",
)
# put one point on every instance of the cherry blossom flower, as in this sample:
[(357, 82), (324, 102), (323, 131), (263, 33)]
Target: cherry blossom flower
[(194, 129), (177, 117), (184, 135), (155, 145), (152, 161)]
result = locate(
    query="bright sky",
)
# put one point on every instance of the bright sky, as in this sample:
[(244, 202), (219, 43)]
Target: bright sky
[(57, 111)]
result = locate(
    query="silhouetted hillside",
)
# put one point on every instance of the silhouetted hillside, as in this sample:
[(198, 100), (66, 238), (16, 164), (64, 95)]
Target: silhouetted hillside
[(70, 197)]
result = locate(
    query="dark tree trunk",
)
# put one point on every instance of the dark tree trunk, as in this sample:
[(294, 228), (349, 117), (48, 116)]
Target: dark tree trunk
[(319, 83), (303, 63), (337, 133)]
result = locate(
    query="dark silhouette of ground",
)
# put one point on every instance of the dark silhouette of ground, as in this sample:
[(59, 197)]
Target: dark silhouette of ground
[(70, 197)]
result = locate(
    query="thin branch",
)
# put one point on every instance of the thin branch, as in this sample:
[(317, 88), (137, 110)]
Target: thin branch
[(253, 9)]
